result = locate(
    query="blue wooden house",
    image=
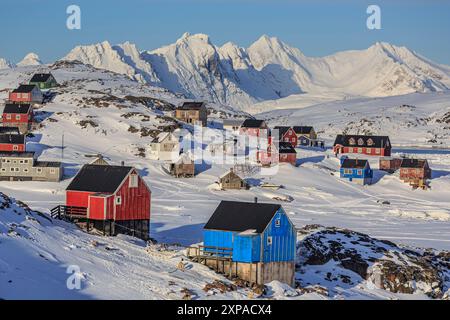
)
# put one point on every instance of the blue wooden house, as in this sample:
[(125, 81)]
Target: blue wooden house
[(356, 170), (260, 239)]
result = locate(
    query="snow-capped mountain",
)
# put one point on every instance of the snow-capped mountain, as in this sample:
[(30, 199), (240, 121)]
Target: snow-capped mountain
[(269, 69), (31, 59), (5, 64)]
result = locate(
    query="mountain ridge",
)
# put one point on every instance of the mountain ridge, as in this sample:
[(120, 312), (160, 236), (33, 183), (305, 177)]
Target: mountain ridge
[(269, 69)]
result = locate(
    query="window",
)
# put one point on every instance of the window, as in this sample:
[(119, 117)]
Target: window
[(133, 181), (17, 116), (360, 141), (377, 151), (52, 171), (269, 240), (39, 170), (15, 147), (352, 141), (3, 170), (277, 222), (11, 169), (118, 200), (25, 170), (348, 171), (359, 172), (370, 142), (8, 116), (369, 150), (359, 150)]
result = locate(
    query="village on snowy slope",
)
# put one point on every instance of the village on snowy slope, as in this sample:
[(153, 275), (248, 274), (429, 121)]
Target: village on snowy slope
[(255, 242)]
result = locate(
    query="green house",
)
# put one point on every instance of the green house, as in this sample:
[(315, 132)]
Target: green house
[(43, 80)]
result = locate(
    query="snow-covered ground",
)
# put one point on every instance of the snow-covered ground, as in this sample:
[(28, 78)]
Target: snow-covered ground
[(94, 112), (418, 119)]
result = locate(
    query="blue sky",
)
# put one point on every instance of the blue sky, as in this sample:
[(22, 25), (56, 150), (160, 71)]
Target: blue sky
[(316, 27)]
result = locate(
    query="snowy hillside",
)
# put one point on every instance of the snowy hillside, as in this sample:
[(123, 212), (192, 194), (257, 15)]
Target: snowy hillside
[(99, 111), (268, 70), (419, 119)]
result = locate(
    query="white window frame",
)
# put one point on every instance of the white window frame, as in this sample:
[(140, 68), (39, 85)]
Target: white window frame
[(134, 181), (118, 200), (269, 240), (278, 222), (17, 116)]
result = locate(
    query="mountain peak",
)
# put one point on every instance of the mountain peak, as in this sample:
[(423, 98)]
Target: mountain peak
[(187, 37), (268, 41), (31, 59), (5, 64)]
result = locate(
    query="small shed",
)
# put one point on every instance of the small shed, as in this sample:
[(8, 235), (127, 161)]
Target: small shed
[(253, 241), (230, 180), (356, 170), (43, 81), (183, 167), (389, 164), (415, 172)]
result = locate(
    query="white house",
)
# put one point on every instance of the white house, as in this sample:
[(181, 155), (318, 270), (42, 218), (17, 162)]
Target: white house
[(166, 147), (233, 125)]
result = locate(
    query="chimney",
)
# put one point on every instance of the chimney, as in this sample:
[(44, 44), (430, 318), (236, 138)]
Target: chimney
[(256, 199)]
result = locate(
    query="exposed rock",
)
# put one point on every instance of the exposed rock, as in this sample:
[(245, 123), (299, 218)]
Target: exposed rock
[(380, 262)]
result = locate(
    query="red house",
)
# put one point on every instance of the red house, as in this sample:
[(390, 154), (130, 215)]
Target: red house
[(415, 172), (115, 199), (360, 144), (26, 93), (12, 142), (287, 153), (287, 134), (18, 115), (284, 153), (255, 128)]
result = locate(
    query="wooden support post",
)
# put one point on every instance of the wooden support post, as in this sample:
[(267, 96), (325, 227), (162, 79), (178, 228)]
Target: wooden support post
[(217, 259)]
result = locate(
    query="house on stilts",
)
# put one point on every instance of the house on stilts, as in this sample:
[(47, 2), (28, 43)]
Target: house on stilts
[(255, 242), (111, 199)]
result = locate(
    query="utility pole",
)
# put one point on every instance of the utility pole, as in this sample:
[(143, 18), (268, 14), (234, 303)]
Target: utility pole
[(62, 146)]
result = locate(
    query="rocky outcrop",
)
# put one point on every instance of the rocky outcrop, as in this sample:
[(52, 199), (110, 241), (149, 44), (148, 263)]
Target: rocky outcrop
[(378, 263)]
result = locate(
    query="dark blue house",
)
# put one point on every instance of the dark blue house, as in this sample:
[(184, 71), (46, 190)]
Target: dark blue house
[(261, 237), (356, 170)]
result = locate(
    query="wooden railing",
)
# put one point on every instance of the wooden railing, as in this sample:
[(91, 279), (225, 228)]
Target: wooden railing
[(60, 212)]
